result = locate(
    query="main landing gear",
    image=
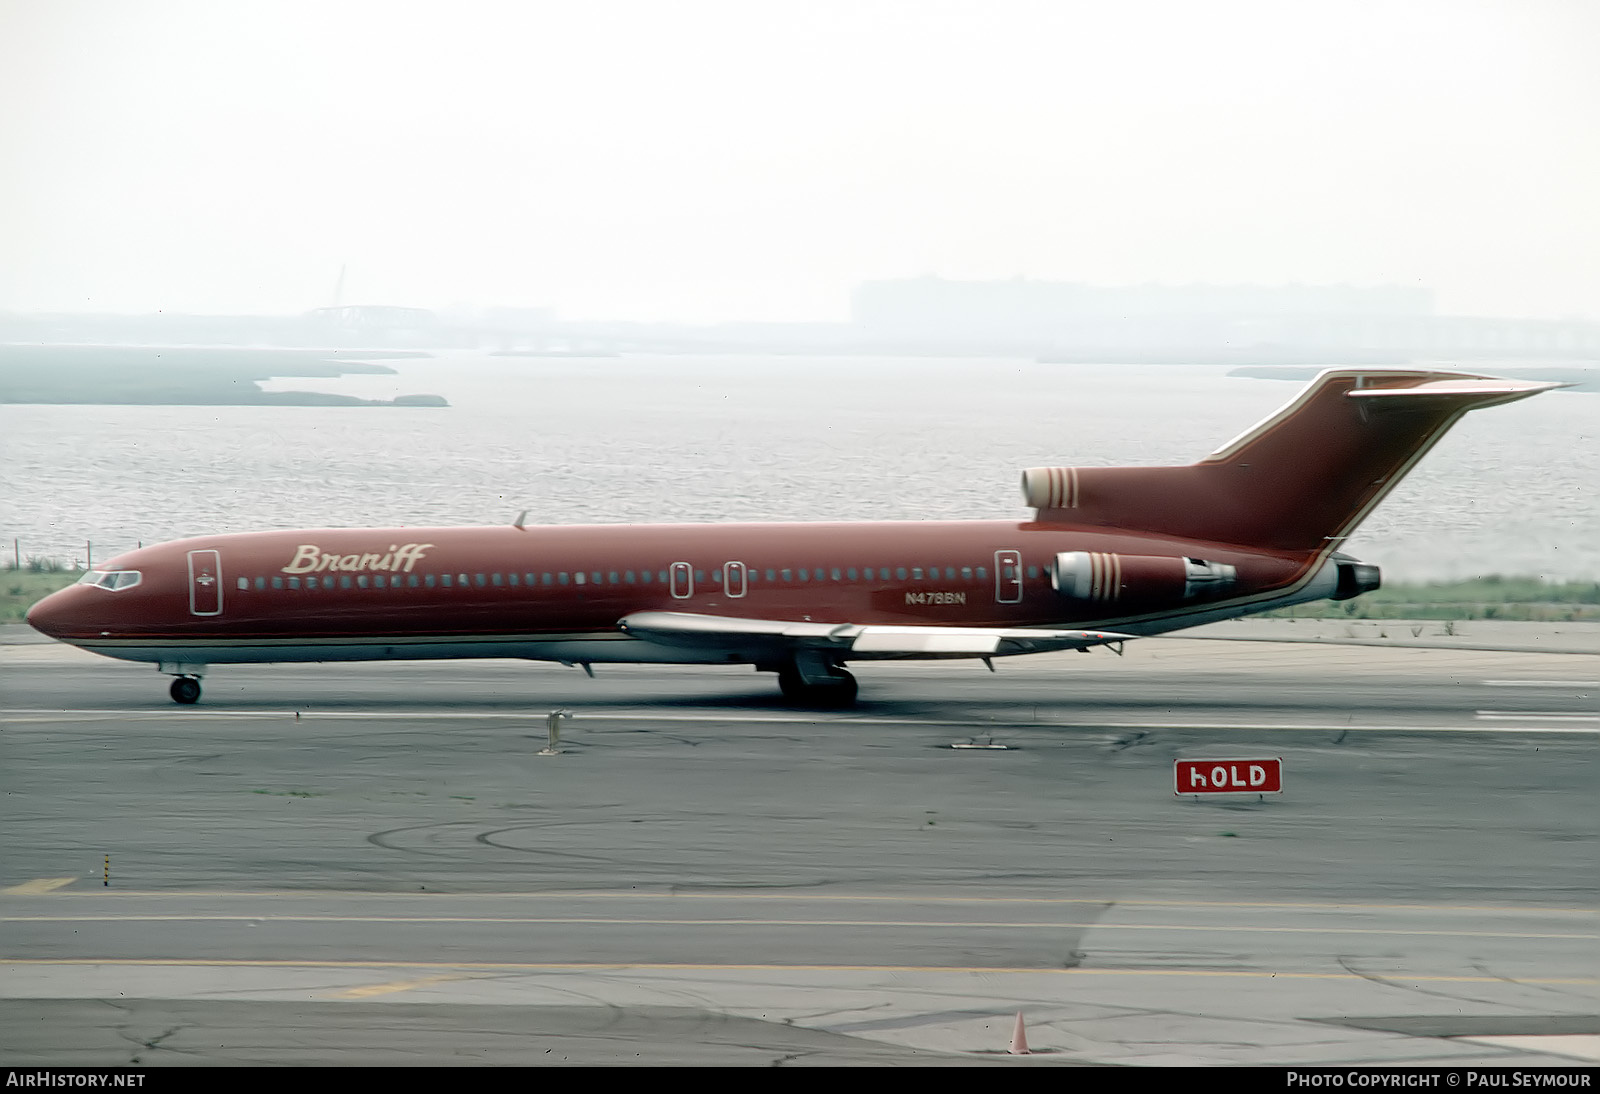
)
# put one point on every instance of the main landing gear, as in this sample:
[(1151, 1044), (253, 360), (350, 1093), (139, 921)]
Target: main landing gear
[(816, 683), (185, 689)]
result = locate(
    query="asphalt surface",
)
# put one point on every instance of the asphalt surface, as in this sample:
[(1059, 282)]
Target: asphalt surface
[(376, 864)]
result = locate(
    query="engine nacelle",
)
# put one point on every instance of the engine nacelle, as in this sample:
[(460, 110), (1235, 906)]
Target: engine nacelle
[(1050, 487), (1355, 578), (1108, 578)]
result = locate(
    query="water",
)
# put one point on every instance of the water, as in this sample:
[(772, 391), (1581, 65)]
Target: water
[(680, 438)]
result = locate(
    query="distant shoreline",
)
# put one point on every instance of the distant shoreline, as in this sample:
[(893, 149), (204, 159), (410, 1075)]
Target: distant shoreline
[(186, 376)]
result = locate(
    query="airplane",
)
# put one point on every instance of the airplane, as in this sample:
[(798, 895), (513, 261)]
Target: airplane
[(1111, 554)]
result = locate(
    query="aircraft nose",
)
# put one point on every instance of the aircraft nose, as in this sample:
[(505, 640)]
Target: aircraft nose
[(54, 614)]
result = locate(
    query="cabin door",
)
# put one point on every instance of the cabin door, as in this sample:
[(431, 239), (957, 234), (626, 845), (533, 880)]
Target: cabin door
[(1008, 577), (205, 583), (734, 580), (680, 579)]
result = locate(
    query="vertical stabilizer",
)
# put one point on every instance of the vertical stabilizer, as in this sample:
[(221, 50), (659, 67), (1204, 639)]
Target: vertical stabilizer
[(1301, 481)]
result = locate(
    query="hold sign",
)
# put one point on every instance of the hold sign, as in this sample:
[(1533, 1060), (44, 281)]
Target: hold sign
[(1227, 776)]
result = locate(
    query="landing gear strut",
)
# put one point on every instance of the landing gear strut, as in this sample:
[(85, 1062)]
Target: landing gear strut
[(817, 684), (185, 689)]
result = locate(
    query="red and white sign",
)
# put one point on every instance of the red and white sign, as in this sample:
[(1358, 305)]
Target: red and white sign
[(1227, 776)]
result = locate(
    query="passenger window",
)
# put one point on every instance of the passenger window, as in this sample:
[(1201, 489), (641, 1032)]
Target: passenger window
[(597, 578), (835, 573), (477, 579), (699, 577), (562, 577), (411, 582), (344, 582), (1033, 572), (613, 576), (716, 575), (630, 577), (916, 573), (900, 573), (362, 581), (277, 582), (509, 577), (580, 578), (548, 579), (983, 573), (380, 581), (261, 583), (428, 581), (788, 575), (294, 583), (966, 572), (772, 575), (445, 580), (804, 575), (462, 579), (244, 583), (851, 573)]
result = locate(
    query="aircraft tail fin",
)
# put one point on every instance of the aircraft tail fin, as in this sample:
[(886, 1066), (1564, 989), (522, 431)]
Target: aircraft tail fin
[(1301, 481)]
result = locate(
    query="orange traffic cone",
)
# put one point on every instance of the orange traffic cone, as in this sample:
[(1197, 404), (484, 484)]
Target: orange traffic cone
[(1019, 1038)]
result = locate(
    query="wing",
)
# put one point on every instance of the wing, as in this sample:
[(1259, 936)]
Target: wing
[(854, 641)]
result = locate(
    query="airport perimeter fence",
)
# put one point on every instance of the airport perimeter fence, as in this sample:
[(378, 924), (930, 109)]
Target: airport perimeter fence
[(58, 558)]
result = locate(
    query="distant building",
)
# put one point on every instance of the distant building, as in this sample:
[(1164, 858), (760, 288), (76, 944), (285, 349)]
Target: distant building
[(1158, 322), (374, 325)]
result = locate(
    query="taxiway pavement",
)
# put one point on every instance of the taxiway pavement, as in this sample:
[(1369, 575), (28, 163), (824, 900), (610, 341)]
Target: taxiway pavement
[(375, 864)]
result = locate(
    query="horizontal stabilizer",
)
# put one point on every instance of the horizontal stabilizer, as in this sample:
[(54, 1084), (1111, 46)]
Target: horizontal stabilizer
[(1482, 390)]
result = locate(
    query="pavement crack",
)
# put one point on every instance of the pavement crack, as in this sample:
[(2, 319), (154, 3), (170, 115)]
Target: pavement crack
[(150, 1045), (1346, 963)]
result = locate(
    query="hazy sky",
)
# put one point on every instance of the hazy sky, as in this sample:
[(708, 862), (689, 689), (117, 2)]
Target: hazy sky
[(753, 159)]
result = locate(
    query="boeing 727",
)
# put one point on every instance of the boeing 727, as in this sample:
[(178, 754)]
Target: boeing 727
[(1110, 554)]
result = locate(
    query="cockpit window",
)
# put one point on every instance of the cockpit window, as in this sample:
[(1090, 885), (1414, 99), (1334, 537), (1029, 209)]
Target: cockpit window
[(115, 580)]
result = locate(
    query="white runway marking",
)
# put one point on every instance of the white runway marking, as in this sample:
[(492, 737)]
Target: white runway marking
[(633, 967), (1552, 715), (813, 718), (614, 921), (1541, 683)]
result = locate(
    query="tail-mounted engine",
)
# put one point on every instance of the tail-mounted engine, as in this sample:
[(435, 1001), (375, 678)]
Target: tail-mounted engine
[(1050, 487), (1109, 578), (1355, 578)]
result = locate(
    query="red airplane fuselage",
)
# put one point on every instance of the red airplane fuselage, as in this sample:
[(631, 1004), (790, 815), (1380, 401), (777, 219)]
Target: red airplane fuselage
[(511, 590)]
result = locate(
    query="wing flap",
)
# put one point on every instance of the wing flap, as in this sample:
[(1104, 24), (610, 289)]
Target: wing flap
[(925, 640), (855, 639)]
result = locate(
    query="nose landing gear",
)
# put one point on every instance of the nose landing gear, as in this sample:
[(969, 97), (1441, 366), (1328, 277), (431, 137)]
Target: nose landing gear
[(186, 675), (185, 689)]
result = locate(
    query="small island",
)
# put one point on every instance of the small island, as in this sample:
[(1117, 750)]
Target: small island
[(187, 376)]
